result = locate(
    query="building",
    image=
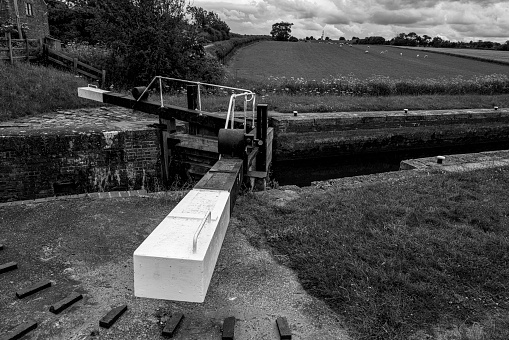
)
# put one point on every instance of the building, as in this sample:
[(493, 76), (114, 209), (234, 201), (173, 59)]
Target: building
[(32, 14)]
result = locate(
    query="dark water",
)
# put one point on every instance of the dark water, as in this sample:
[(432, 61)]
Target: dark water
[(303, 172)]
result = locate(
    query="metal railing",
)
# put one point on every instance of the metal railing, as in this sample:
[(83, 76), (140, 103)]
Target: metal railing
[(249, 96)]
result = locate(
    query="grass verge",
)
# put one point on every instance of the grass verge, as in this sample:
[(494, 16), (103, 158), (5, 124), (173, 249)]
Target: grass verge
[(29, 89), (333, 103), (415, 260)]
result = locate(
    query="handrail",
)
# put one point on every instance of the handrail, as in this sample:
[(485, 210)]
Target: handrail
[(207, 218), (231, 109), (249, 96)]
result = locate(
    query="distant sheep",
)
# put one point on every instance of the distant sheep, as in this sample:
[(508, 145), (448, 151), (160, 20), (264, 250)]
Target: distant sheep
[(417, 56), (366, 51), (401, 54), (426, 56)]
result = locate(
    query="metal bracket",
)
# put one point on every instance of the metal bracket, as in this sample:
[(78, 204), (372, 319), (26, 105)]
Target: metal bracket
[(207, 219)]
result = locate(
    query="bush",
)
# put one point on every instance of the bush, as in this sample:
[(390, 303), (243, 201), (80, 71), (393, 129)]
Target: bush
[(224, 49)]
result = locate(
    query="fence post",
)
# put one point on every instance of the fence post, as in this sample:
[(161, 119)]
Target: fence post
[(261, 135), (26, 48), (103, 79), (9, 43), (75, 65)]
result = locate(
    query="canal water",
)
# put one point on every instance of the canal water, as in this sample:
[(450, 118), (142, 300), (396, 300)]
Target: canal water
[(303, 172)]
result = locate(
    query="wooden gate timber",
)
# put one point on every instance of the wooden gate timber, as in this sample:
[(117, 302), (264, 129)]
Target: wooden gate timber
[(201, 145)]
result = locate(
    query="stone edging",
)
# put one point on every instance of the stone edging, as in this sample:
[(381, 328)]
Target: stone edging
[(109, 194)]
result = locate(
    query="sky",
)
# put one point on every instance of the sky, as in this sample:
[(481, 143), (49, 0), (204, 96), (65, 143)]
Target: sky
[(455, 20)]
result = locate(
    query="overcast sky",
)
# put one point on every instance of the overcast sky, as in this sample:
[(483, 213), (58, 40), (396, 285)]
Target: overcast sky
[(458, 20)]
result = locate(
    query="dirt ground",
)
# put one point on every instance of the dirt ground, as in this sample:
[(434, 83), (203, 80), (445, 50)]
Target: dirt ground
[(86, 245)]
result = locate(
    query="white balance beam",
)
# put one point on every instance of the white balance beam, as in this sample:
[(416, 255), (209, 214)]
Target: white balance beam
[(92, 93), (166, 266)]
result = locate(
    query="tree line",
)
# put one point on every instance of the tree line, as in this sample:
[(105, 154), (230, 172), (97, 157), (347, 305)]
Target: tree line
[(142, 38), (281, 31)]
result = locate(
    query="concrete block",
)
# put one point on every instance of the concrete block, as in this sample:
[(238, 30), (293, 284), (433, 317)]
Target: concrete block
[(283, 328), (165, 266), (229, 328), (109, 319), (91, 93), (171, 327), (65, 303), (8, 267), (33, 289), (20, 331)]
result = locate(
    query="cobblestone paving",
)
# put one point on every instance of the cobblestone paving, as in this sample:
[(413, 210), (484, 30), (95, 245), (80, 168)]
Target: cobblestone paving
[(100, 119)]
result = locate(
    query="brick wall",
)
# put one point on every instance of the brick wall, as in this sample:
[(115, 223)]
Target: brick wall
[(37, 22), (44, 165)]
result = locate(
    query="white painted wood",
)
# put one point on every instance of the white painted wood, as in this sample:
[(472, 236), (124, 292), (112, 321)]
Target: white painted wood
[(165, 266), (91, 93)]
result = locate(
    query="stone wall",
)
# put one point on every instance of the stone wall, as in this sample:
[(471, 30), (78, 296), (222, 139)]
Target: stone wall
[(309, 136), (51, 164)]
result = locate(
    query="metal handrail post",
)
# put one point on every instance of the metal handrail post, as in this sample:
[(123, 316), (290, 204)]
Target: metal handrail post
[(199, 97), (161, 91)]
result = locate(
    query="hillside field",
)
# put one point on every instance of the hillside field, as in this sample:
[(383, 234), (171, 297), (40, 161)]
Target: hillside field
[(497, 56), (317, 61)]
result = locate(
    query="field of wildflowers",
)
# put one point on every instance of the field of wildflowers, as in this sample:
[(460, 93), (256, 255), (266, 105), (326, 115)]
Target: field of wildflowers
[(379, 85)]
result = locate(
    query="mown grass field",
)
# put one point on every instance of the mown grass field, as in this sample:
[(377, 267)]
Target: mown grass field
[(498, 56), (316, 61)]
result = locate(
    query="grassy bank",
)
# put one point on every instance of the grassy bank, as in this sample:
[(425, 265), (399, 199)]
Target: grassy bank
[(333, 103), (419, 259), (29, 89)]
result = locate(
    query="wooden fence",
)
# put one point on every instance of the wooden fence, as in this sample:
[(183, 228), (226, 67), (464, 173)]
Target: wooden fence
[(28, 49), (19, 49), (75, 65)]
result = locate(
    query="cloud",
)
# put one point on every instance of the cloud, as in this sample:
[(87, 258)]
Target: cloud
[(395, 18), (456, 19)]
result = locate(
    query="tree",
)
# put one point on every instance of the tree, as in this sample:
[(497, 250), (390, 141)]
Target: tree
[(71, 22), (426, 39), (208, 24), (149, 38), (437, 42), (342, 38), (281, 31)]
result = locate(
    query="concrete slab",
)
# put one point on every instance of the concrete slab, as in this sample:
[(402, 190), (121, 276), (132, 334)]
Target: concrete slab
[(166, 266), (91, 93), (460, 162)]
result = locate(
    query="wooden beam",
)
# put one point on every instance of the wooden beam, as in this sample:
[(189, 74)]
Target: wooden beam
[(210, 120)]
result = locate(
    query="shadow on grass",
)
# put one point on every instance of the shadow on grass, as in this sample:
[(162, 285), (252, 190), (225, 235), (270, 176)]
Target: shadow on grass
[(400, 260)]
